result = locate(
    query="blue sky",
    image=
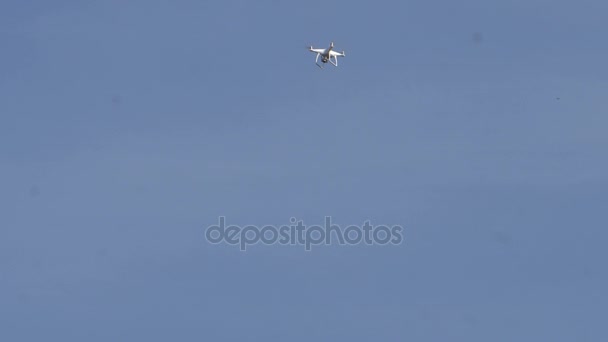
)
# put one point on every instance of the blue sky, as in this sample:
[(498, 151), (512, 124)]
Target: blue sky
[(128, 127)]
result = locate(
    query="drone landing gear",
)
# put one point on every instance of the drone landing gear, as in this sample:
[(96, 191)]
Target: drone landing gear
[(317, 61)]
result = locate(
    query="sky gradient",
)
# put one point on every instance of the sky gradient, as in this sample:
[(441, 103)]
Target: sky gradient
[(128, 127)]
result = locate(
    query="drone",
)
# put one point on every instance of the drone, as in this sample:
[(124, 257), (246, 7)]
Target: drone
[(327, 55)]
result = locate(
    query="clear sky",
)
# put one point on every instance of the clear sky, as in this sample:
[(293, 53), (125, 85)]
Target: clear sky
[(128, 127)]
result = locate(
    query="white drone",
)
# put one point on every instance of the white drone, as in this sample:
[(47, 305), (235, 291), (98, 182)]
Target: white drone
[(326, 55)]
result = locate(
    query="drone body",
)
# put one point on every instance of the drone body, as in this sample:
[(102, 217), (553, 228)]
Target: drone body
[(327, 55)]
